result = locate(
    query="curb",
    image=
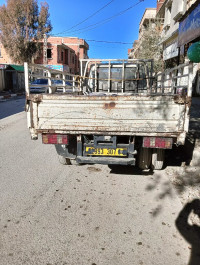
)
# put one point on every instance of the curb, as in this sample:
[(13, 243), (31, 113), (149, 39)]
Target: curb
[(11, 95)]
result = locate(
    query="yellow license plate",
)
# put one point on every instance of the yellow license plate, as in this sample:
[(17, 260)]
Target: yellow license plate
[(106, 151)]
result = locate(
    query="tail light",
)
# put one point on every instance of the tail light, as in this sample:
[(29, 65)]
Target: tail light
[(157, 142), (55, 139)]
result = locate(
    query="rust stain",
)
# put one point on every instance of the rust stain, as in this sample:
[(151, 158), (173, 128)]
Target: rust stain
[(189, 101), (78, 96), (35, 97), (179, 99), (110, 105), (48, 131), (104, 132)]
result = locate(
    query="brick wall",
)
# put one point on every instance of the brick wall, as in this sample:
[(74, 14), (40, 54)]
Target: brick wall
[(75, 48), (159, 4), (64, 51)]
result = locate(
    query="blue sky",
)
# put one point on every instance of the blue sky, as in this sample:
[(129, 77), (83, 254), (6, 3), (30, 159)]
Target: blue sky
[(66, 14)]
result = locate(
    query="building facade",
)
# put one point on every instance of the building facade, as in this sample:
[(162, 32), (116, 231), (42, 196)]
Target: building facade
[(63, 53), (171, 11), (148, 17), (60, 53), (181, 29)]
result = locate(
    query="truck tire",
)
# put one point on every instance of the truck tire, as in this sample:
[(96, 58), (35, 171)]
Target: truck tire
[(144, 158), (158, 157), (63, 160), (74, 162)]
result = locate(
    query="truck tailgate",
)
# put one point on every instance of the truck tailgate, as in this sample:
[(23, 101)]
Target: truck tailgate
[(121, 115)]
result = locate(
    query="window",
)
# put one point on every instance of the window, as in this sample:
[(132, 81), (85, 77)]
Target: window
[(49, 54), (62, 56), (66, 56), (72, 57)]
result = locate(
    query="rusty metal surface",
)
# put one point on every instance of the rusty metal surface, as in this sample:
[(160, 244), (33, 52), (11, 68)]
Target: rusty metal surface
[(74, 132), (182, 99), (108, 97), (110, 105), (122, 115), (157, 111)]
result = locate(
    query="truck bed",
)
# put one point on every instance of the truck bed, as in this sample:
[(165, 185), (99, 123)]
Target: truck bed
[(159, 108)]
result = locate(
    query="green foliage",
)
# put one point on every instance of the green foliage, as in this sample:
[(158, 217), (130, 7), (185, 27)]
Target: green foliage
[(150, 47), (22, 25)]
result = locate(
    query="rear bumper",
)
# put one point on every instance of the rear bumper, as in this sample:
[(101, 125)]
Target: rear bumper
[(105, 160)]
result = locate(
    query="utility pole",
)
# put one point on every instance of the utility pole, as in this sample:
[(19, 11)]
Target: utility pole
[(45, 50)]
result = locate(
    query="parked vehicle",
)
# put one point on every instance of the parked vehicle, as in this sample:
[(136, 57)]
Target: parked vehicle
[(59, 85), (116, 113), (39, 85)]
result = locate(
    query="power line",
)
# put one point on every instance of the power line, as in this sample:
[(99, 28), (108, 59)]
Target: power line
[(107, 19), (81, 22), (111, 42), (107, 47)]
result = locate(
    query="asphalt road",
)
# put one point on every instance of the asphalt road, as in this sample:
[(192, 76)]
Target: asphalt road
[(54, 215), (11, 106)]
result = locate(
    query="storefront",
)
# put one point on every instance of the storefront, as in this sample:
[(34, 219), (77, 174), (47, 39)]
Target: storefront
[(171, 52), (13, 77), (189, 33)]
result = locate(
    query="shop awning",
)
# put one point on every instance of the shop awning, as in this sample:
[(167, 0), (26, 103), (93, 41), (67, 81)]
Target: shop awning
[(18, 68)]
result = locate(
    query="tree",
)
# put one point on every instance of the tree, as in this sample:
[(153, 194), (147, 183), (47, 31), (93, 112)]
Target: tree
[(22, 26), (150, 46)]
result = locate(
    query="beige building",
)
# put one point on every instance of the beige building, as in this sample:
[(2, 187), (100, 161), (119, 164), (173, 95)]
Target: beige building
[(171, 11), (148, 16), (181, 29)]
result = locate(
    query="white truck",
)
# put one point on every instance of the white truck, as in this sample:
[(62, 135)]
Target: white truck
[(114, 112)]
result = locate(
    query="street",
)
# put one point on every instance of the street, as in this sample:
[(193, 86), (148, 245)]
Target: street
[(54, 215), (9, 109)]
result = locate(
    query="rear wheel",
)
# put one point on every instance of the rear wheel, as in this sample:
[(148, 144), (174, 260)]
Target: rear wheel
[(67, 161), (144, 158), (73, 162), (63, 160), (158, 158)]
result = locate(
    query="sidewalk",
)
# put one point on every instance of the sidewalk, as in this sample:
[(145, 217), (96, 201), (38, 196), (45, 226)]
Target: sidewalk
[(186, 178), (10, 94), (194, 130)]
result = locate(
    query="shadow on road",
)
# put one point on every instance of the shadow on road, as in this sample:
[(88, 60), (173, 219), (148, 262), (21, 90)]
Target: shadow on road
[(11, 106), (191, 233), (129, 170)]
